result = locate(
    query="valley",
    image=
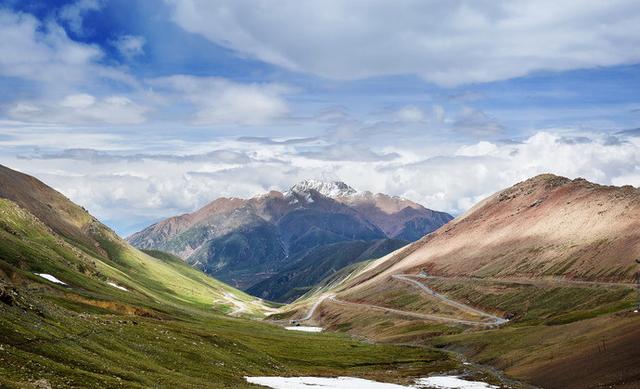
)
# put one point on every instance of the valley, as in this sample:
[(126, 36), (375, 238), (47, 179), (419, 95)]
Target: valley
[(80, 306), (166, 325)]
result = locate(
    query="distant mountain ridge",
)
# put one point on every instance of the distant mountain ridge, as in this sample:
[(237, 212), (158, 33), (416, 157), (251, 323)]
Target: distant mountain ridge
[(331, 189), (245, 241)]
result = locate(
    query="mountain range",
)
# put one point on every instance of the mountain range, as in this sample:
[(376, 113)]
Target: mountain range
[(258, 244)]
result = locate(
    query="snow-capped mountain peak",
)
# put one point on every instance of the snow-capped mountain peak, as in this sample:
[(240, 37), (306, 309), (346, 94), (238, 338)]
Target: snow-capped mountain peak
[(329, 189)]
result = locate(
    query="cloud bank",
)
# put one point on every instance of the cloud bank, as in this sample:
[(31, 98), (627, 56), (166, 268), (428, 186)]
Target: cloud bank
[(126, 187), (446, 42)]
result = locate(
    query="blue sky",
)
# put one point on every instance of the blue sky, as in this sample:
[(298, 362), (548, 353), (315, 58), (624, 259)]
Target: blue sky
[(141, 110)]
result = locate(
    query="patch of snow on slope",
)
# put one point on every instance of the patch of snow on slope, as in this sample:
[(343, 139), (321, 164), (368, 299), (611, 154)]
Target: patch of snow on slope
[(50, 278), (304, 329), (118, 286), (452, 382), (320, 383), (440, 382)]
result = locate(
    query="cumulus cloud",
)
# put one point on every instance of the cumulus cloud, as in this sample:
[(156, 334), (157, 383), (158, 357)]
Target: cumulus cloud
[(42, 52), (220, 101), (51, 67), (448, 43)]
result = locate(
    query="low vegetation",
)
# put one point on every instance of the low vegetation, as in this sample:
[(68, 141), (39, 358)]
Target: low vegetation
[(164, 325)]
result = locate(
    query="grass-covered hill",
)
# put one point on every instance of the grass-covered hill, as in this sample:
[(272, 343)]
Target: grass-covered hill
[(80, 307), (44, 232)]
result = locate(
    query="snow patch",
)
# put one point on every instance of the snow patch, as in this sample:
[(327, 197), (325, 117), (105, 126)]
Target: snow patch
[(304, 329), (320, 383), (440, 382), (50, 278), (452, 382), (118, 286)]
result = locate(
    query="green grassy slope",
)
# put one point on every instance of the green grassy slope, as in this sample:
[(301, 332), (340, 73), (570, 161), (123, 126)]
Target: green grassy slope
[(74, 345), (169, 328), (163, 332), (28, 246)]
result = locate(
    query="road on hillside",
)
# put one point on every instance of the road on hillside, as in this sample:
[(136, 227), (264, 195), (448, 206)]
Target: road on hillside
[(413, 280), (407, 278), (417, 315), (493, 320), (535, 282), (315, 306)]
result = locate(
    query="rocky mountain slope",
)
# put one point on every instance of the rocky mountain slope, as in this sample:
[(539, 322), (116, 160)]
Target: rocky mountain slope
[(245, 241), (547, 226)]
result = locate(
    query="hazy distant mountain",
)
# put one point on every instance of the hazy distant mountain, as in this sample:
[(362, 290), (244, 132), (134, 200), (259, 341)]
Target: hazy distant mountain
[(318, 264), (245, 241)]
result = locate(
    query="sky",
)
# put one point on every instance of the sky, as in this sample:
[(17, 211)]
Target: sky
[(140, 110)]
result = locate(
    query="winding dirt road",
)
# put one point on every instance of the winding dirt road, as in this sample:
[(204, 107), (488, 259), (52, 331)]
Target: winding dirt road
[(315, 305), (492, 319)]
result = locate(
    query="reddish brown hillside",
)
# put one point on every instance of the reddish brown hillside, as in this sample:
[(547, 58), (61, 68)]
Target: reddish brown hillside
[(48, 205), (547, 226)]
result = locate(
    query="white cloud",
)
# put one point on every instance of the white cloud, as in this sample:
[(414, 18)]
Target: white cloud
[(220, 101), (80, 109), (130, 45), (133, 187), (79, 101), (39, 52), (54, 69), (449, 43), (74, 13), (478, 149), (410, 114)]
